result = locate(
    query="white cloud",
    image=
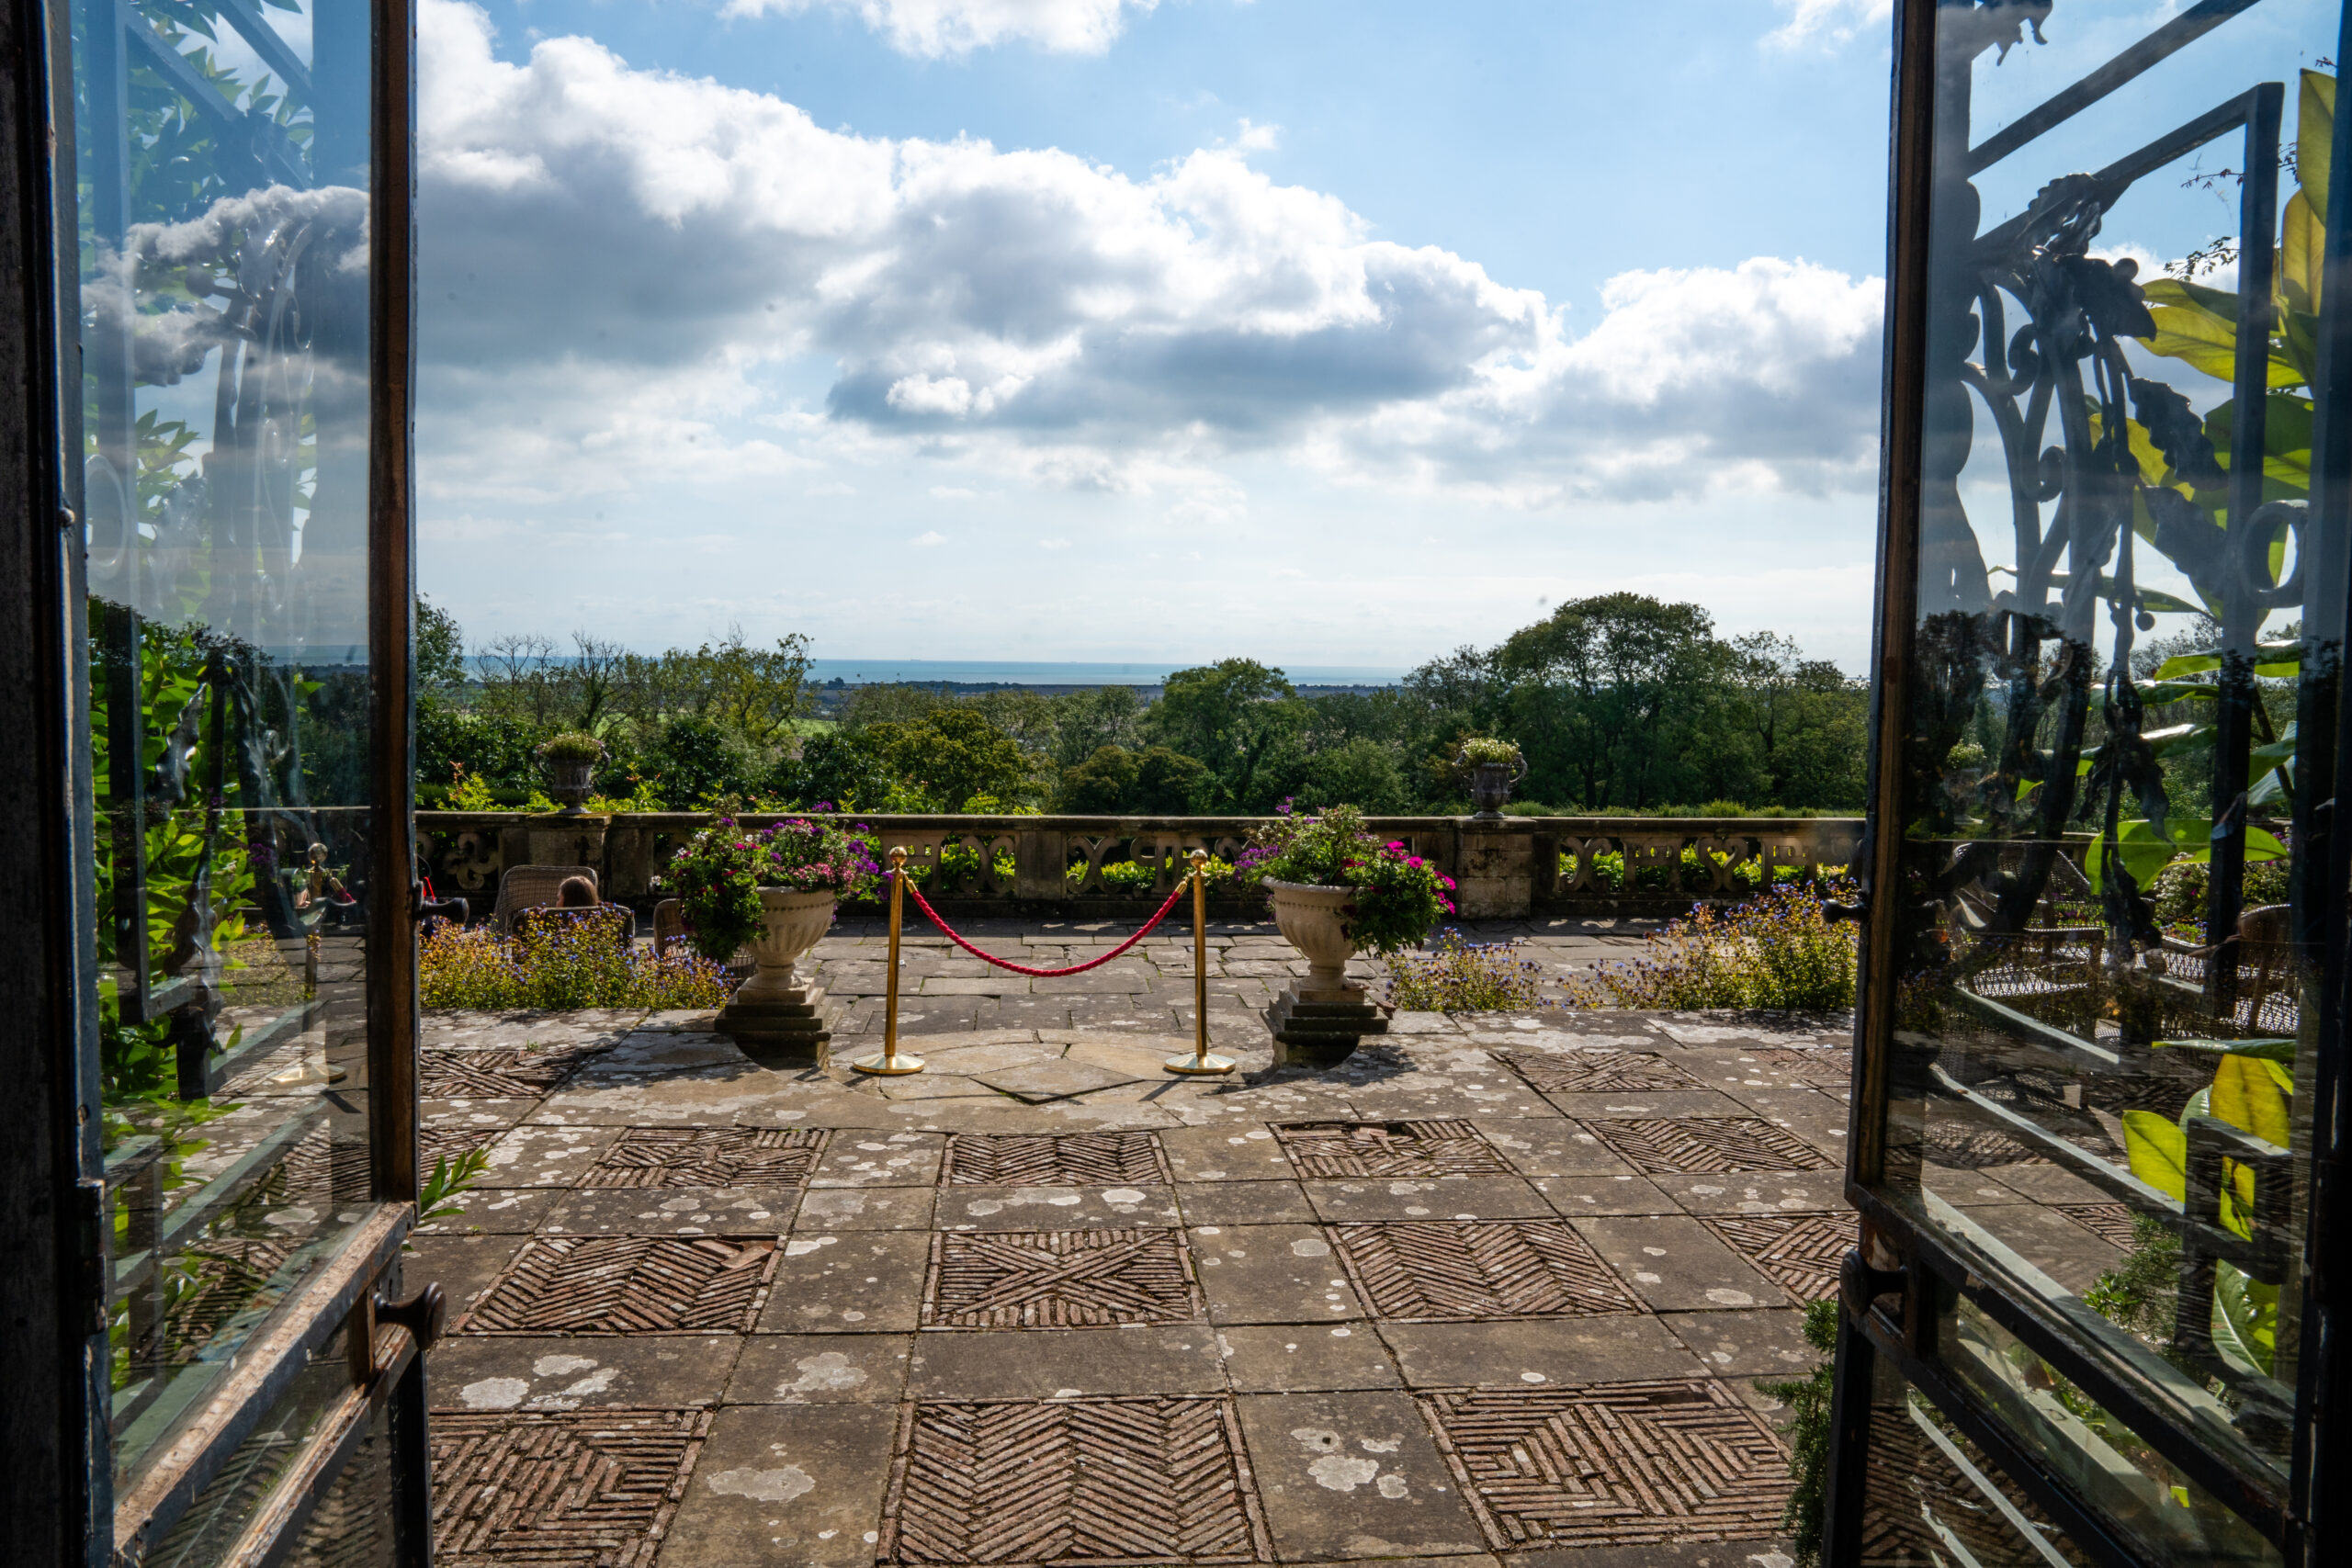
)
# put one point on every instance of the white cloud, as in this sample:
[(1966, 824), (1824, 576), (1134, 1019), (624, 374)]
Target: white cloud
[(1831, 22), (1052, 544), (952, 492), (938, 27), (618, 265), (928, 539)]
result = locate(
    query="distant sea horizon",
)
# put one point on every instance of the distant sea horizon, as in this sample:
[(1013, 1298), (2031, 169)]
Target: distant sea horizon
[(1057, 672)]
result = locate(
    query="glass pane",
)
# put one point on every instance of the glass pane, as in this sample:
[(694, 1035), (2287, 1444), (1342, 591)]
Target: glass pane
[(2100, 1458), (2102, 1019), (1931, 1499), (222, 168)]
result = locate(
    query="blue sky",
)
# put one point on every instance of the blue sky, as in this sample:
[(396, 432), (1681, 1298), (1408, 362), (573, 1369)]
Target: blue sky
[(1329, 334)]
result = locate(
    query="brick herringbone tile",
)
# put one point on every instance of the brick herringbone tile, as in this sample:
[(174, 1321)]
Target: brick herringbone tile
[(499, 1072), (1078, 1482), (1436, 1148), (530, 1489), (1443, 1269), (1585, 1072), (1613, 1464), (1058, 1278), (628, 1284), (1707, 1144), (708, 1157), (1053, 1159), (1802, 1251)]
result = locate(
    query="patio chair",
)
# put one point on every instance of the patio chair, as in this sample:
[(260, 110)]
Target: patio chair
[(669, 926), (524, 887)]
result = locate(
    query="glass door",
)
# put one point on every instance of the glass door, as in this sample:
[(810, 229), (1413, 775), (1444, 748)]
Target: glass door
[(2101, 1028), (238, 176)]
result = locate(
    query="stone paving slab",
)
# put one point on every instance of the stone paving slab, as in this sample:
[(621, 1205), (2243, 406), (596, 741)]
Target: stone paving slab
[(1209, 1241)]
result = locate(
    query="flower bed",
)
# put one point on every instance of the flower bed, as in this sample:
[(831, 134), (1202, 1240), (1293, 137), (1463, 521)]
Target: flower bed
[(564, 960)]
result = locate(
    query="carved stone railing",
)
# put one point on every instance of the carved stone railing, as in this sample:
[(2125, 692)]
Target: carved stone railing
[(1056, 864)]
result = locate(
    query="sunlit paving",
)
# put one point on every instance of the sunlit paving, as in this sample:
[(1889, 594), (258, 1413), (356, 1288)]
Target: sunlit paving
[(1134, 783)]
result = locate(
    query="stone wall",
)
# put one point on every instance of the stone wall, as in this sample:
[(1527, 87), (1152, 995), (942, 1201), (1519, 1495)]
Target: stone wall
[(1506, 870)]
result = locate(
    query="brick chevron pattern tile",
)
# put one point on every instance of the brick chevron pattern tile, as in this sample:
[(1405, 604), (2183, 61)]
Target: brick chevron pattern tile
[(499, 1072), (1053, 1159), (1058, 1279), (1438, 1147), (1707, 1144), (708, 1157), (2111, 1223), (1800, 1251), (1830, 1067), (1078, 1482), (1586, 1072), (520, 1489), (1435, 1270), (1613, 1464), (628, 1284)]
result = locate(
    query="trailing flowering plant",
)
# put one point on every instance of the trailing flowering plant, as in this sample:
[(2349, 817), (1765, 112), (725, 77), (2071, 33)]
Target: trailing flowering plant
[(718, 876), (716, 879), (1399, 895), (820, 857)]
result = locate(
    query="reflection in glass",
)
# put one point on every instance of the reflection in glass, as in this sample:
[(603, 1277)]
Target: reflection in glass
[(1932, 1500), (2100, 1458), (222, 153), (2103, 1011)]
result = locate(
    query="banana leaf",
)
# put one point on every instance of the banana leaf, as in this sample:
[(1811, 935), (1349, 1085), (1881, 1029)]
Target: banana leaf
[(2158, 1151), (2246, 1319)]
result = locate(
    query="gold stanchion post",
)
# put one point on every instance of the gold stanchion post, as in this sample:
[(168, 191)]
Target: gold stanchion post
[(888, 1062), (1200, 1061)]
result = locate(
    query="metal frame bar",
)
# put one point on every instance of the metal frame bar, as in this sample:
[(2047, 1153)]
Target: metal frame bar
[(268, 1362), (1911, 237), (2134, 62), (52, 1292), (2321, 1458)]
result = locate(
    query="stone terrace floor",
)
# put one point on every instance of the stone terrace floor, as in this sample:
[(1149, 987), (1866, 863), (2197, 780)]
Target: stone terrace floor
[(1494, 1289)]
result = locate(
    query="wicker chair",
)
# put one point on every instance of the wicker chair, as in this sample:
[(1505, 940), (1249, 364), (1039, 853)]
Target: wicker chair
[(669, 926), (524, 887)]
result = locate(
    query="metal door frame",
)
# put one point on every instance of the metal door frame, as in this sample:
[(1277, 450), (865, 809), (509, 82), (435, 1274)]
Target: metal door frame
[(1887, 1283), (55, 1226)]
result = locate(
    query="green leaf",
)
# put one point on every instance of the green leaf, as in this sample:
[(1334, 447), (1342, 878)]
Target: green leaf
[(2158, 1151), (2181, 664), (2248, 1097), (2245, 1318), (2314, 135)]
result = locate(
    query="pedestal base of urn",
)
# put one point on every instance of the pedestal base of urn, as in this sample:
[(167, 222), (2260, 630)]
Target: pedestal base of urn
[(1321, 1028), (792, 1028)]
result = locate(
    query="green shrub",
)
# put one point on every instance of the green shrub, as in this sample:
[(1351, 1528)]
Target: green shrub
[(559, 965), (1779, 949), (1139, 877), (1808, 1400), (1461, 975)]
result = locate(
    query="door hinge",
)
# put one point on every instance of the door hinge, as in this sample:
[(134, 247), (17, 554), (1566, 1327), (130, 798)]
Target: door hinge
[(92, 1217)]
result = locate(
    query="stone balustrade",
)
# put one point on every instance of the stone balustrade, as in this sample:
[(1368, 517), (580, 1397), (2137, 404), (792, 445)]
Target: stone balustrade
[(1504, 870)]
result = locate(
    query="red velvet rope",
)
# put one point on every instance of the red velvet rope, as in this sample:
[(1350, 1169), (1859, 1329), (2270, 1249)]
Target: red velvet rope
[(916, 893)]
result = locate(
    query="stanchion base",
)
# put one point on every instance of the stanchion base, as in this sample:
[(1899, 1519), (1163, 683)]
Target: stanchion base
[(1199, 1066), (894, 1067)]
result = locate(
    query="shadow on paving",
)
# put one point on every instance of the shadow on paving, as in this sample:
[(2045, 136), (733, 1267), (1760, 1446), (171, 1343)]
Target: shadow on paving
[(1494, 1289)]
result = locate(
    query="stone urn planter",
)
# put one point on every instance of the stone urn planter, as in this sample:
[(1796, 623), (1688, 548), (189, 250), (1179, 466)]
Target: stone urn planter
[(1490, 786), (774, 1017), (569, 782), (1319, 1019)]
